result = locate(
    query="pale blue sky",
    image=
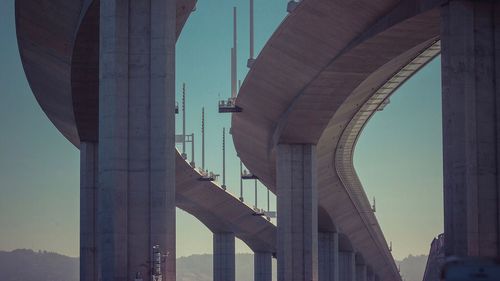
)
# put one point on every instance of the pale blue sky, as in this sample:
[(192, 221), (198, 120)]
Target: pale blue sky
[(398, 157)]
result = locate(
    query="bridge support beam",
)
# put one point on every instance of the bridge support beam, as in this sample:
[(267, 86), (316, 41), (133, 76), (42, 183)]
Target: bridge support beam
[(361, 274), (347, 266), (263, 268), (297, 210), (328, 256), (88, 204), (224, 268), (136, 209), (471, 122), (369, 275)]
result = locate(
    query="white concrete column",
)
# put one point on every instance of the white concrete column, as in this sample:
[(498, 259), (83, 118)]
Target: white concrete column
[(347, 266), (136, 208), (471, 124), (361, 274), (297, 210), (224, 268), (263, 268), (88, 203), (328, 256)]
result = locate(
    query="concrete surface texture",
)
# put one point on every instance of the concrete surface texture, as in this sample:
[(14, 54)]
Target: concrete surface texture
[(224, 268), (223, 213), (347, 266), (361, 272), (297, 213), (335, 70), (328, 256), (435, 260), (369, 274), (263, 268), (88, 206), (470, 47), (136, 151), (311, 88), (81, 90)]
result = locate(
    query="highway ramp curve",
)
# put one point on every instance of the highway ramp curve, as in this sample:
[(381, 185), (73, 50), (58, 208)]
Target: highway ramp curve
[(59, 46), (323, 73)]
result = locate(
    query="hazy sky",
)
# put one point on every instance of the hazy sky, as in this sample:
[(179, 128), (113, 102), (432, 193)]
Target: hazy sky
[(398, 157)]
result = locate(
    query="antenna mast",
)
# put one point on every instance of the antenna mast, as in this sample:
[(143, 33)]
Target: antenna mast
[(251, 59), (224, 158), (256, 194), (184, 121), (203, 138), (192, 151), (241, 181), (234, 58), (268, 205)]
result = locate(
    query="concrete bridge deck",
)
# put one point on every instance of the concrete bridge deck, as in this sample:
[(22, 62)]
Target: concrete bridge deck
[(316, 85), (58, 42)]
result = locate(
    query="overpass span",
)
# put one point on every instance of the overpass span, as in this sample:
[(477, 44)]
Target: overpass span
[(59, 47), (318, 80), (324, 72)]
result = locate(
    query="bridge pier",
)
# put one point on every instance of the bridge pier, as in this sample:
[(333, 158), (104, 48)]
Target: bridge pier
[(263, 268), (297, 211), (471, 109), (88, 203), (361, 272), (328, 256), (369, 274), (224, 268), (136, 209), (347, 266)]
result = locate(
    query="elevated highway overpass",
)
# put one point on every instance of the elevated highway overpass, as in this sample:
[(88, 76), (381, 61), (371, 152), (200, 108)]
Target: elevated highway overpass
[(313, 85), (322, 75), (59, 46), (325, 71)]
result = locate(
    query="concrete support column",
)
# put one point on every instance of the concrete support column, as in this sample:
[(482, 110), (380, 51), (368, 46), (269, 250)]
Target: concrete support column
[(297, 210), (369, 275), (224, 257), (471, 122), (88, 203), (263, 268), (136, 208), (361, 274), (328, 256), (347, 266)]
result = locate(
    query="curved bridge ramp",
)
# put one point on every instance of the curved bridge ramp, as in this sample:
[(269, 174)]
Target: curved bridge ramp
[(59, 47), (324, 72)]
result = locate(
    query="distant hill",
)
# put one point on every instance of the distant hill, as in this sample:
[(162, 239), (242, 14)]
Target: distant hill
[(199, 268), (27, 265)]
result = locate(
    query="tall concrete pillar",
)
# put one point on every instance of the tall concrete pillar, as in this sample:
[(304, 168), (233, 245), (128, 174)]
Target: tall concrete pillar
[(136, 208), (361, 274), (369, 274), (297, 210), (263, 268), (224, 268), (347, 266), (328, 256), (88, 203), (471, 124)]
